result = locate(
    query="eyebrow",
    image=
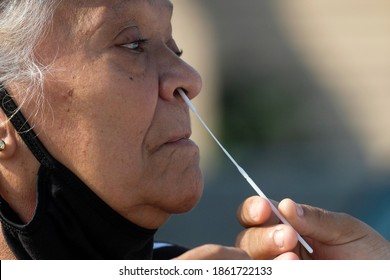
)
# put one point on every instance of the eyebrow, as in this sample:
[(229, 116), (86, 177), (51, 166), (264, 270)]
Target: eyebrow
[(168, 5)]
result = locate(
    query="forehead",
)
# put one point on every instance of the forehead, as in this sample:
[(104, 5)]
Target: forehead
[(92, 14), (118, 4)]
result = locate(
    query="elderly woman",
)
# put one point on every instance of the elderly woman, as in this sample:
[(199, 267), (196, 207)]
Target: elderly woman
[(98, 156), (95, 152)]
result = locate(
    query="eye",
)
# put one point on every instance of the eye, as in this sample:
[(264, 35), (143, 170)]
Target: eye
[(136, 46)]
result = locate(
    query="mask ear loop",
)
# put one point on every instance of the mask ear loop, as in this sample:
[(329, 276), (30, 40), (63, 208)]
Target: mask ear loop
[(24, 130)]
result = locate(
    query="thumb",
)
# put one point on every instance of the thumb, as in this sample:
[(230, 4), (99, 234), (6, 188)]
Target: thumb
[(334, 235), (321, 225)]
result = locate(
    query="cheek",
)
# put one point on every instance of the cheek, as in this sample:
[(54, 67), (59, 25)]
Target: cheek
[(108, 114), (137, 68), (125, 121), (124, 97)]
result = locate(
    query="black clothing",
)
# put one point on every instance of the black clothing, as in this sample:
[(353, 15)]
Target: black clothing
[(71, 222)]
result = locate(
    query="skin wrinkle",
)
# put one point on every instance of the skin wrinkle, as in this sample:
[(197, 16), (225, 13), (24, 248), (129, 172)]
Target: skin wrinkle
[(117, 118), (151, 149), (104, 130), (103, 120)]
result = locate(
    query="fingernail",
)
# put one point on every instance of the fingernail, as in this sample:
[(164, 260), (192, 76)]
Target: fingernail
[(279, 238), (300, 211), (254, 211)]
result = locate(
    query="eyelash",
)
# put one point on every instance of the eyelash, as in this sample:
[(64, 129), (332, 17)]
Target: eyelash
[(179, 53), (138, 48)]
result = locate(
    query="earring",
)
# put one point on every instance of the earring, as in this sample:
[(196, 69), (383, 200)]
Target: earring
[(2, 145)]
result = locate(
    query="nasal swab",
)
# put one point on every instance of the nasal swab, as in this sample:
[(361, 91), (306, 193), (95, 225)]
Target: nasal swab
[(242, 171)]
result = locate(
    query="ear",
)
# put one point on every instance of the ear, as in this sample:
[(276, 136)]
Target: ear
[(9, 135)]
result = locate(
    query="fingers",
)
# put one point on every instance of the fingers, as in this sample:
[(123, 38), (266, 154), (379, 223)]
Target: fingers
[(334, 235), (271, 239), (267, 242), (255, 211), (214, 252), (288, 256), (319, 224), (331, 235)]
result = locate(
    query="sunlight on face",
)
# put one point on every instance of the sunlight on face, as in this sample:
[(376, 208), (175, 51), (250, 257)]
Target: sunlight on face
[(114, 98)]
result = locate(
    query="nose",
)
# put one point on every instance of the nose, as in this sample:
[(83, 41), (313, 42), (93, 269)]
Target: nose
[(174, 74)]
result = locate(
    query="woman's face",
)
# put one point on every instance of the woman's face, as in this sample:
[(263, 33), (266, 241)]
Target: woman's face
[(115, 118)]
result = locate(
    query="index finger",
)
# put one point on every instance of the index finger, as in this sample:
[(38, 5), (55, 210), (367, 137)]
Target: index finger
[(255, 211)]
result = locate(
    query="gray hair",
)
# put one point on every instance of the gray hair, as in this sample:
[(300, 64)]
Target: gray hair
[(23, 23)]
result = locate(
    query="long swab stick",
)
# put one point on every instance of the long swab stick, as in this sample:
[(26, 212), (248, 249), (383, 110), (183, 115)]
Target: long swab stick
[(242, 171)]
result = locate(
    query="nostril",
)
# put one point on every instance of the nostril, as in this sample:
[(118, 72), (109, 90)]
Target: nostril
[(176, 93), (183, 95), (179, 91)]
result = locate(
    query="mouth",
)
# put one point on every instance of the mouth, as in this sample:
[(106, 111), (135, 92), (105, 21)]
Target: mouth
[(180, 141), (179, 137), (176, 145)]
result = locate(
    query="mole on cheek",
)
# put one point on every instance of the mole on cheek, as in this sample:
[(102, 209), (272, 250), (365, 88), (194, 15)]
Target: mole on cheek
[(70, 93)]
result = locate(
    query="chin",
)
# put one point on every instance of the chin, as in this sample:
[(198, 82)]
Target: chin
[(186, 198)]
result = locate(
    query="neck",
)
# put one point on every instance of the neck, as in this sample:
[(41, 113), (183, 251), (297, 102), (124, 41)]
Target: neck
[(5, 251)]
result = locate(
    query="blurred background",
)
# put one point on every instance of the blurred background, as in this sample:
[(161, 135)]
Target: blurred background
[(299, 94)]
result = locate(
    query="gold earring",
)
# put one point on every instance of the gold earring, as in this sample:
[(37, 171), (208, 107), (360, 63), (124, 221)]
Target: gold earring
[(2, 145)]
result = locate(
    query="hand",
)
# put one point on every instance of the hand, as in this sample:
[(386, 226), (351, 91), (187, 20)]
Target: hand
[(331, 235), (334, 235), (214, 252), (255, 242), (217, 252), (264, 237)]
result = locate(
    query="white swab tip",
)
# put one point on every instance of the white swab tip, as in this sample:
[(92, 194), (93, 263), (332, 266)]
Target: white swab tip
[(186, 99)]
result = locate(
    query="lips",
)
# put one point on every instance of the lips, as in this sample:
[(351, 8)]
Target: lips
[(178, 137)]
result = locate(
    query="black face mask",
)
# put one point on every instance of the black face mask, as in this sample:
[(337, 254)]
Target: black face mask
[(70, 221)]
